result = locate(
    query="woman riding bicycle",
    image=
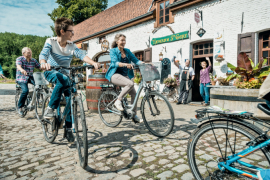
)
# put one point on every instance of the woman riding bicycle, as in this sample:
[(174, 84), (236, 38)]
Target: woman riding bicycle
[(24, 74), (119, 75)]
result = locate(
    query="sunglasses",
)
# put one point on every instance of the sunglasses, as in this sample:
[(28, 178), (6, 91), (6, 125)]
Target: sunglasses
[(71, 31)]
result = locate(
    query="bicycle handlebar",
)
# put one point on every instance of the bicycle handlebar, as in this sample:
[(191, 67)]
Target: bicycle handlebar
[(73, 68)]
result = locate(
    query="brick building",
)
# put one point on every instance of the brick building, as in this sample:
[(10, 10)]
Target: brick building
[(231, 26)]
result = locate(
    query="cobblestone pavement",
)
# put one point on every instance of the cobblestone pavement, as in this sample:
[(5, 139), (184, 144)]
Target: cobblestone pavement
[(128, 151)]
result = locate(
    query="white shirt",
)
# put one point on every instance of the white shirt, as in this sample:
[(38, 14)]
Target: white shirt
[(191, 70)]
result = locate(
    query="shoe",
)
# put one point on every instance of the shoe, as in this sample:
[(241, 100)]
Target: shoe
[(118, 105), (179, 102), (69, 135), (136, 119), (49, 114), (20, 112), (205, 104), (202, 103)]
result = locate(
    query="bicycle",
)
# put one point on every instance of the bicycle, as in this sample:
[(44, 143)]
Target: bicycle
[(225, 144), (74, 103), (170, 92), (34, 100), (157, 112)]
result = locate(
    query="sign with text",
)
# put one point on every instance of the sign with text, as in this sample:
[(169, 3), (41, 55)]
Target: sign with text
[(171, 38), (197, 17)]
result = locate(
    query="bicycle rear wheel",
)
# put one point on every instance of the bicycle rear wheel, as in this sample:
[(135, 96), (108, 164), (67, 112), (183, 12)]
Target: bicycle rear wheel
[(214, 142), (105, 106), (160, 120), (81, 131), (49, 126)]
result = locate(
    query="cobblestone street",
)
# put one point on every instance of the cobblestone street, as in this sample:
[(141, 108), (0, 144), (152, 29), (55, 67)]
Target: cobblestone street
[(128, 151)]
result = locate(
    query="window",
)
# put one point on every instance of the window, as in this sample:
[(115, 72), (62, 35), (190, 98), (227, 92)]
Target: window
[(164, 15), (139, 55), (203, 49), (264, 46), (101, 39)]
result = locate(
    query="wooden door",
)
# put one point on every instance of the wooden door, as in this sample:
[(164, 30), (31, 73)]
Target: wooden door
[(246, 43)]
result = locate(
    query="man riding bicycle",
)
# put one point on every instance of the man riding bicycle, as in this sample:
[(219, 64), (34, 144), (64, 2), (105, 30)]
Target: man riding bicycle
[(24, 74), (59, 51)]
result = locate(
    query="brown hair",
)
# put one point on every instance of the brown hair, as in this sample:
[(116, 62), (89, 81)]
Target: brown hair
[(116, 38), (204, 62), (62, 23)]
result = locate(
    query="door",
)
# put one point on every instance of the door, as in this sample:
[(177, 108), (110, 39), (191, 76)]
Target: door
[(200, 51)]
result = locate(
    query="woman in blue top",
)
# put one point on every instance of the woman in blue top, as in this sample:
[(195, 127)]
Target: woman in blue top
[(119, 75)]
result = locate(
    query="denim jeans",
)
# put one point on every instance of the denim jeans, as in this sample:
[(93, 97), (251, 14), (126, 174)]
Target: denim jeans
[(61, 82), (25, 91), (205, 92)]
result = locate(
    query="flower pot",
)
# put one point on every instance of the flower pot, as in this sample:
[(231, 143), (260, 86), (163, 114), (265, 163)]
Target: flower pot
[(213, 83)]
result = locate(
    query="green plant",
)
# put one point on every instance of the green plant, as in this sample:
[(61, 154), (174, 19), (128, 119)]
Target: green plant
[(171, 81), (251, 84), (247, 69), (137, 78)]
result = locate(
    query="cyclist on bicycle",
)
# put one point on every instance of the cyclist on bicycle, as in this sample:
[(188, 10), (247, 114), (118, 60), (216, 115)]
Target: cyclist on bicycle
[(24, 74), (59, 51), (1, 73), (121, 57)]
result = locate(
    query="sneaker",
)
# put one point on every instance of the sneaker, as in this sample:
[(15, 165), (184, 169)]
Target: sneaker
[(118, 105), (136, 119), (69, 135), (20, 112), (49, 114), (179, 102)]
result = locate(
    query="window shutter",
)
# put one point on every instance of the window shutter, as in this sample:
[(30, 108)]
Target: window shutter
[(246, 43), (148, 55)]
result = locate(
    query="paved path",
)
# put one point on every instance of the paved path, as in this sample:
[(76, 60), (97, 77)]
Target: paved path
[(128, 151)]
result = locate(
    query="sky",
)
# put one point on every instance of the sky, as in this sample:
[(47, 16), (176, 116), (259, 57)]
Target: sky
[(30, 16)]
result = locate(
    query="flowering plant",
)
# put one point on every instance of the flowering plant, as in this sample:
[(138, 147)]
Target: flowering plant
[(212, 77), (250, 84), (137, 78), (170, 81)]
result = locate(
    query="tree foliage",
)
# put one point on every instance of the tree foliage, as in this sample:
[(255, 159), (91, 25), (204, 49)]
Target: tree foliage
[(11, 45), (77, 10)]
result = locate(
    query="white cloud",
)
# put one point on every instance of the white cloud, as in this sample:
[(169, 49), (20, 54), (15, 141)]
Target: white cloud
[(27, 16)]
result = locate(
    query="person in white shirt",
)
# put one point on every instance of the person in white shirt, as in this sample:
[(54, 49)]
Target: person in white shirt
[(186, 75), (58, 51)]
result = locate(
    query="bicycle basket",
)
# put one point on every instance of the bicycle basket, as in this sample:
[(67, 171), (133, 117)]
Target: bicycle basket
[(40, 79), (149, 72)]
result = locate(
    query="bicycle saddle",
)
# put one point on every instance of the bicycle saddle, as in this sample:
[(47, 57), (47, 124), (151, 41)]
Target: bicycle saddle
[(264, 108)]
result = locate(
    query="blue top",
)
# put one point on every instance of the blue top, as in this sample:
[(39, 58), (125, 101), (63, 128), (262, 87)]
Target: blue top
[(1, 70), (115, 55), (122, 70)]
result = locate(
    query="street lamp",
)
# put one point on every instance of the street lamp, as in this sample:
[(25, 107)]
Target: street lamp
[(160, 56)]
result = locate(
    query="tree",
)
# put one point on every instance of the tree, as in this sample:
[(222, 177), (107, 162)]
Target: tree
[(77, 10)]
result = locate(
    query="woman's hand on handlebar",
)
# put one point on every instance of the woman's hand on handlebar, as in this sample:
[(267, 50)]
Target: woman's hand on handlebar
[(129, 66), (97, 65), (45, 66)]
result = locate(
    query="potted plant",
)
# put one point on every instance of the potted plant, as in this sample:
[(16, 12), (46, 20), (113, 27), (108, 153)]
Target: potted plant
[(212, 79), (220, 58), (137, 78), (171, 82)]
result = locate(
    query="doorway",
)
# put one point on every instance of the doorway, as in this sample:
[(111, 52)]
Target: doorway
[(200, 51)]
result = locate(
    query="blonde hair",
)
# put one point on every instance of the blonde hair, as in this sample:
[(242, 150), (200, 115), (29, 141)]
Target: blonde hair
[(116, 38)]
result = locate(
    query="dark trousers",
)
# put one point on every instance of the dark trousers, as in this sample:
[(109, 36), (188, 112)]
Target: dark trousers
[(183, 96), (25, 91), (61, 82)]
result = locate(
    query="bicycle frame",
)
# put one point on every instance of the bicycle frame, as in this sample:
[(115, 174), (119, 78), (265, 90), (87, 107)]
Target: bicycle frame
[(238, 156)]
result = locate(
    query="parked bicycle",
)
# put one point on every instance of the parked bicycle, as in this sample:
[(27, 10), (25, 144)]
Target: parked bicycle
[(74, 103), (227, 145), (157, 112), (34, 99)]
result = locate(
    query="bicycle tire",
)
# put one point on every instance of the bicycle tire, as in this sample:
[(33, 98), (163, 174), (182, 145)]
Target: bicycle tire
[(48, 124), (205, 131), (39, 104), (108, 96), (17, 98), (81, 131), (157, 97)]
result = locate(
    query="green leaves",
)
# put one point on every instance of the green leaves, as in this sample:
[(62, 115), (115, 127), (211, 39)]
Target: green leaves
[(232, 67)]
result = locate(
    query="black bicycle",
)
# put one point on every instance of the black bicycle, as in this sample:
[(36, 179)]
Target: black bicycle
[(74, 103)]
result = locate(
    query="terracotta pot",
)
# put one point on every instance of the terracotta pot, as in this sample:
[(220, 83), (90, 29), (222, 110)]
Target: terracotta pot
[(213, 82)]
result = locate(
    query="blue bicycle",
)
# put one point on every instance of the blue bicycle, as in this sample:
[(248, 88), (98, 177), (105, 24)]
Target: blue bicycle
[(228, 145), (74, 104)]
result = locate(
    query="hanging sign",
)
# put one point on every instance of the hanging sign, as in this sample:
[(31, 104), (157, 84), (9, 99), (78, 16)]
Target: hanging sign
[(171, 38), (201, 32), (197, 17)]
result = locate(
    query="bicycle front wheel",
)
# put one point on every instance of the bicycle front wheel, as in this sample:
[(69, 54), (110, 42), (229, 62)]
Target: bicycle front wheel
[(105, 106), (49, 126), (157, 114), (38, 105), (214, 142), (81, 131)]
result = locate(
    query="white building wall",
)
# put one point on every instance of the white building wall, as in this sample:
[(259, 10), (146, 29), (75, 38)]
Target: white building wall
[(218, 15)]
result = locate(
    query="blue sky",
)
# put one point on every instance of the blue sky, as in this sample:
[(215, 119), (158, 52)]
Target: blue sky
[(29, 16)]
